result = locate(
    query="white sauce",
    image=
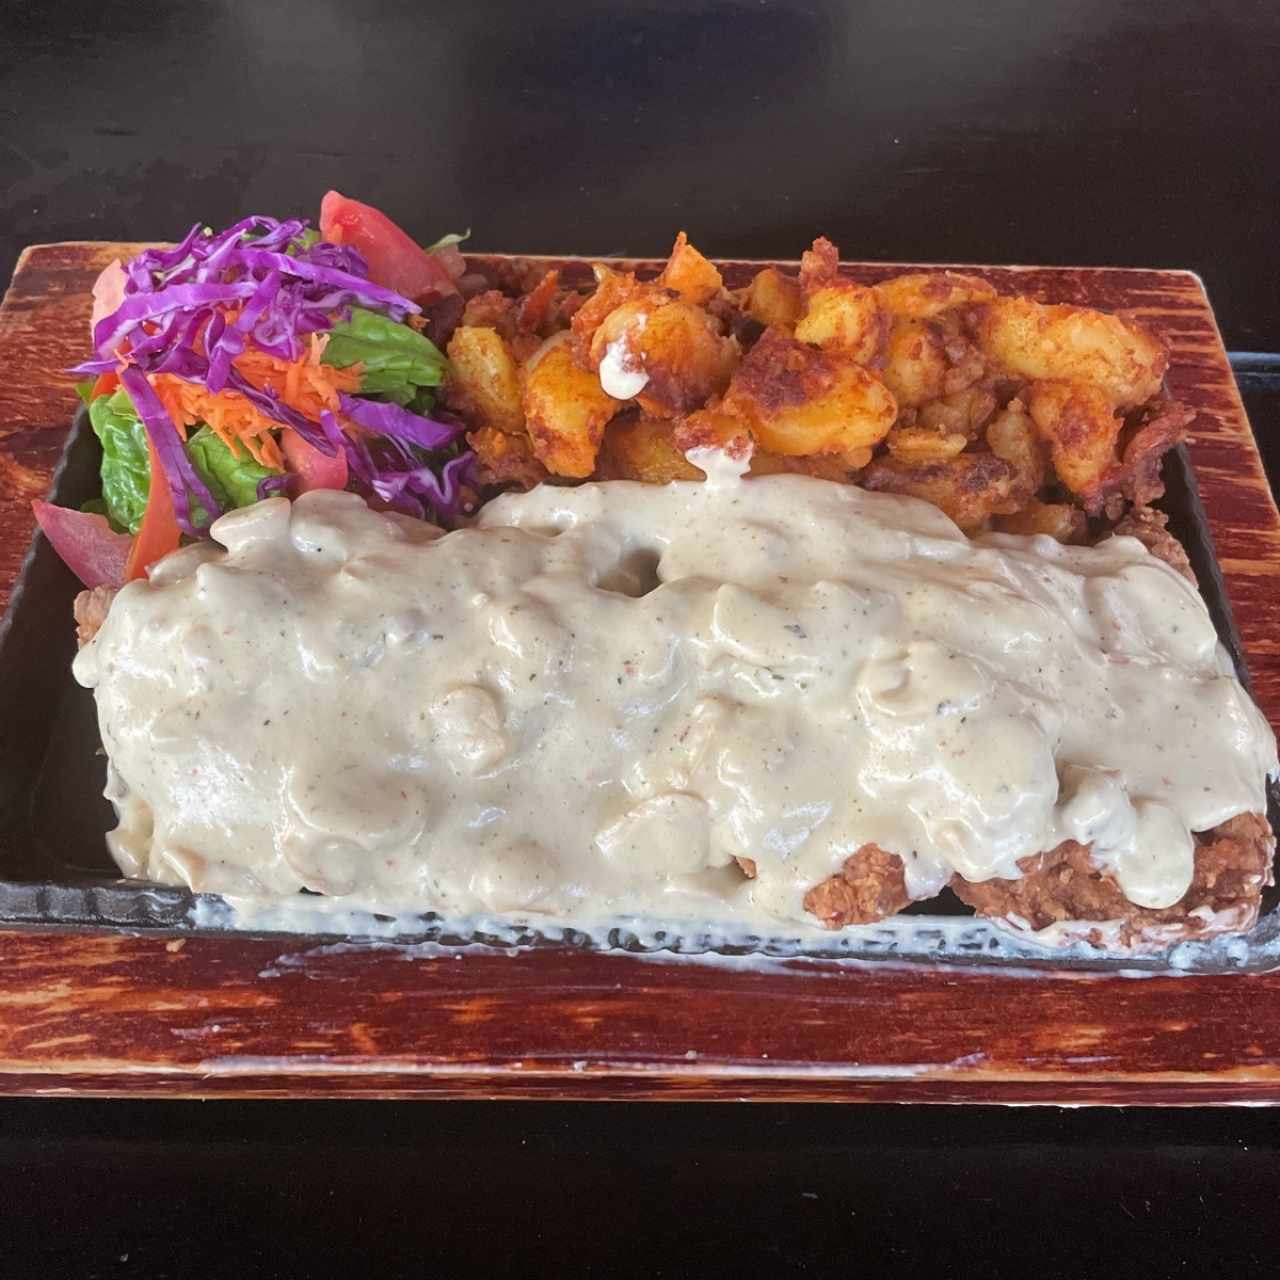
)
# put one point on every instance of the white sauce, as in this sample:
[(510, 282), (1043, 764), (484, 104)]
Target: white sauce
[(590, 703), (622, 375)]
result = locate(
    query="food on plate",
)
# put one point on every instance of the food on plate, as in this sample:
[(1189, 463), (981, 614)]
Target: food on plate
[(757, 703), (884, 608), (260, 360), (271, 358)]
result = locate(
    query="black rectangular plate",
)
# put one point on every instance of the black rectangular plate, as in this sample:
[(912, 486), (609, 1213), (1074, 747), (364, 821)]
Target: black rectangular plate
[(54, 866)]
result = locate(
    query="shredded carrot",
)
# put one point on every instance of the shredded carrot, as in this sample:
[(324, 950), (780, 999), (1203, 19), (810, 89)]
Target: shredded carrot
[(303, 384)]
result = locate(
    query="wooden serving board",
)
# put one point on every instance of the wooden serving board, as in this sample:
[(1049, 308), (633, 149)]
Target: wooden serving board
[(208, 1014)]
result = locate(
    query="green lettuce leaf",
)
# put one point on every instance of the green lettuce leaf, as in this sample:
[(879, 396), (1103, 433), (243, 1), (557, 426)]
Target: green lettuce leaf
[(232, 480), (397, 360), (126, 469), (453, 237)]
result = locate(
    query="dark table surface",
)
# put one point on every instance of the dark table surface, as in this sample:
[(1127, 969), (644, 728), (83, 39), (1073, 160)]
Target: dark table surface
[(1088, 131)]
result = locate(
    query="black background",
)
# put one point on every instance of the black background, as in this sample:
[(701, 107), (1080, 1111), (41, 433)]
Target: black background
[(1095, 131)]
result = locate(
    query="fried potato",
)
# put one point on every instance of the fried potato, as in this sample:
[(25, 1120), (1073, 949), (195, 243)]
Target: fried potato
[(642, 449), (819, 265), (843, 469), (483, 383), (799, 400), (1071, 344), (915, 367), (965, 365), (774, 300), (966, 412), (1059, 520), (613, 288), (846, 317), (679, 348), (970, 488), (690, 274), (504, 459), (926, 295), (920, 444), (712, 429), (1013, 436), (1077, 422), (566, 410), (492, 310)]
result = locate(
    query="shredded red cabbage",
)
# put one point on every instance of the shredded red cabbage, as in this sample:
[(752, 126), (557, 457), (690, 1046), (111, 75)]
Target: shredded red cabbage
[(173, 320), (182, 477), (388, 468), (391, 420)]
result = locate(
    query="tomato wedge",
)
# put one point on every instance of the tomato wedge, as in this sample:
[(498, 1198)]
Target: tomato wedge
[(395, 260), (159, 533), (314, 470), (105, 384)]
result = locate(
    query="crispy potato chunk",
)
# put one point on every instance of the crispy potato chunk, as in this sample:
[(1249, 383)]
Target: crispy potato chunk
[(819, 265), (483, 382), (970, 488), (690, 274), (643, 449), (1077, 422), (504, 459), (966, 412), (925, 295), (920, 444), (566, 410), (1012, 435), (492, 310), (677, 346), (774, 300), (844, 316), (712, 429), (915, 368), (1071, 344), (613, 288), (842, 468), (1057, 519), (799, 400)]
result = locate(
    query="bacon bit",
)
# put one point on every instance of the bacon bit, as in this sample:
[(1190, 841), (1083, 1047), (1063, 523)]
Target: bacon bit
[(304, 384)]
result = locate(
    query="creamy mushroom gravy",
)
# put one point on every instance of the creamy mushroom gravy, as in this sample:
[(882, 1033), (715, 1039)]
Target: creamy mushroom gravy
[(591, 703)]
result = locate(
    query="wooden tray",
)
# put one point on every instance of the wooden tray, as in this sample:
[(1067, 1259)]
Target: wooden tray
[(113, 1012)]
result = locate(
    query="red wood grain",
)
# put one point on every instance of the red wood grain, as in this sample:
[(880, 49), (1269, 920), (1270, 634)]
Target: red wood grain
[(218, 1014)]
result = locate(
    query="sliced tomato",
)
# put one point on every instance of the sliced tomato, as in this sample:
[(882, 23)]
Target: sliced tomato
[(159, 533), (395, 260), (86, 542), (313, 469)]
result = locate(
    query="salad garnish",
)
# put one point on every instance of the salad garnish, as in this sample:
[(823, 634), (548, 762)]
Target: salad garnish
[(264, 359)]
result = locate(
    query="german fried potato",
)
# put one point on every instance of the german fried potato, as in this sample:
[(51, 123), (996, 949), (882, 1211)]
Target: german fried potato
[(1062, 343), (484, 382), (798, 400), (774, 300), (845, 317), (642, 448), (678, 347), (566, 410), (1077, 422)]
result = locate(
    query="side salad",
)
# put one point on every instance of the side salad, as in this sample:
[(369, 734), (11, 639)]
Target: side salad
[(269, 358)]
